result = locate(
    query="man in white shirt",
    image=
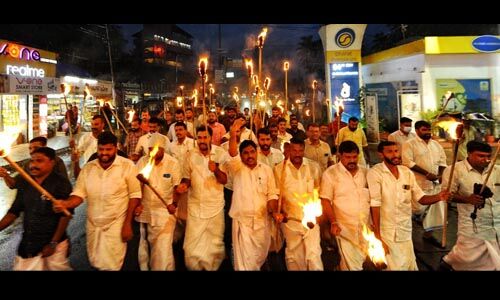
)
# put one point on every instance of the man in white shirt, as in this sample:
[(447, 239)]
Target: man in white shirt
[(179, 117), (346, 204), (87, 144), (302, 176), (283, 136), (403, 134), (427, 159), (204, 175), (142, 147), (156, 216), (476, 248), (392, 189), (112, 191), (266, 154), (253, 187)]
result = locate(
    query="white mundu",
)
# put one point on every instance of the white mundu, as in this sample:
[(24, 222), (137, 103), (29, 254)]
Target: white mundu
[(394, 197), (157, 224), (251, 235), (303, 250), (475, 250), (107, 193), (203, 242), (350, 201)]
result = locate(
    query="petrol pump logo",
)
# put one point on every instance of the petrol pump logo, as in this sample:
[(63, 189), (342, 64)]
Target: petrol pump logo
[(345, 37)]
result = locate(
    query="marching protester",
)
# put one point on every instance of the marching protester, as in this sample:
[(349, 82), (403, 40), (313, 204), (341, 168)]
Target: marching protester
[(356, 134), (403, 134)]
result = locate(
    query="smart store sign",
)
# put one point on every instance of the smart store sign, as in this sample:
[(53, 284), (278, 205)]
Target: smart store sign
[(21, 53)]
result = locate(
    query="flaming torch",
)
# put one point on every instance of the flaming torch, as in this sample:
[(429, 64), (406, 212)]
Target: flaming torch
[(249, 67), (339, 107), (286, 66), (455, 129), (376, 254), (260, 44), (202, 70), (329, 110), (66, 88), (314, 87), (312, 209), (6, 141), (130, 115), (144, 174)]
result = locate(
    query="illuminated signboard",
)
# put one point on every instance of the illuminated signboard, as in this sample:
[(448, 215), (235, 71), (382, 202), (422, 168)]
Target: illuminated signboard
[(345, 86), (20, 52)]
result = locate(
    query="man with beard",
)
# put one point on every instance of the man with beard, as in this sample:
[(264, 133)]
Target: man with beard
[(275, 141), (302, 177), (156, 216), (275, 116), (283, 136), (427, 159), (316, 149), (392, 189), (112, 191), (477, 246), (253, 186), (357, 135), (403, 134), (35, 143), (142, 145), (204, 178), (346, 204), (266, 154), (229, 117), (217, 128), (134, 133), (179, 117), (145, 116), (44, 244), (295, 131)]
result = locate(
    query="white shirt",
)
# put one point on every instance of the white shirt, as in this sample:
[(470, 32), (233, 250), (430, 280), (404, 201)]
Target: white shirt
[(299, 185), (143, 143), (350, 199), (488, 218), (107, 191), (394, 197), (399, 138), (275, 157), (252, 189), (164, 176), (245, 135), (180, 150), (283, 138), (429, 156), (206, 194), (87, 145), (171, 131)]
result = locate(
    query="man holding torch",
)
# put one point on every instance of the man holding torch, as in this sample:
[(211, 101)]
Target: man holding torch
[(476, 248), (204, 176), (112, 192), (253, 186), (393, 188), (157, 217), (44, 244)]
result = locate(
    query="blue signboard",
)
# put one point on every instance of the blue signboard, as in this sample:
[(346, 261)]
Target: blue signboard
[(486, 43), (345, 86)]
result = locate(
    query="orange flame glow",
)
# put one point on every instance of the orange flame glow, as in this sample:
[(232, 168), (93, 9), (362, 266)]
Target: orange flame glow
[(314, 84), (146, 171), (203, 66), (286, 66), (375, 249), (312, 209), (7, 138), (450, 127), (267, 83), (130, 115)]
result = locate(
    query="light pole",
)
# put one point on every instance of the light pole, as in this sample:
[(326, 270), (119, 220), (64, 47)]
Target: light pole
[(286, 66), (314, 86)]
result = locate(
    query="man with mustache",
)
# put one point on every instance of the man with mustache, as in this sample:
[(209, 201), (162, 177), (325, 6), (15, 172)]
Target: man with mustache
[(346, 204), (266, 154), (476, 248), (253, 186), (393, 187), (35, 143), (303, 250), (356, 134), (204, 177), (44, 244), (142, 148), (87, 145), (427, 159), (217, 128), (134, 133), (112, 191)]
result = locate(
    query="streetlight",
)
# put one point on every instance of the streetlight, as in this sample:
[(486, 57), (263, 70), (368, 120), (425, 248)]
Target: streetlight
[(286, 66), (314, 86), (260, 43)]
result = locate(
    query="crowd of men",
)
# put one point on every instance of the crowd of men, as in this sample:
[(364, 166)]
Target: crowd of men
[(226, 192)]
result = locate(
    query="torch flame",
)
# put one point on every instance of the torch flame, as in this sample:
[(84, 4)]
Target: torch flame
[(66, 88), (286, 66), (267, 83), (179, 101), (262, 37), (312, 209), (203, 66), (262, 103), (249, 66), (86, 91), (130, 115), (450, 127), (146, 171), (7, 138), (255, 79), (338, 103), (195, 97), (314, 84), (375, 249), (236, 97), (308, 112), (279, 104)]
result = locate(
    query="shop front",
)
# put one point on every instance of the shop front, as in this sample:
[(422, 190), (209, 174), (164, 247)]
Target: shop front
[(27, 76)]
